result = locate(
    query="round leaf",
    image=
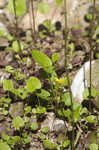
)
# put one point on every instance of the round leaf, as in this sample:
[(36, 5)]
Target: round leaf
[(18, 122), (33, 84)]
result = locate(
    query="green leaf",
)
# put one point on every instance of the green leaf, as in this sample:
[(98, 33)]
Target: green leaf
[(18, 122), (55, 57), (43, 60), (93, 146), (45, 130), (59, 2), (20, 7), (44, 8), (27, 110), (86, 93), (3, 33), (66, 143), (20, 92), (8, 85), (34, 126), (15, 46), (91, 119), (49, 145), (43, 94), (66, 99), (39, 110), (10, 69), (67, 113), (4, 146), (33, 84)]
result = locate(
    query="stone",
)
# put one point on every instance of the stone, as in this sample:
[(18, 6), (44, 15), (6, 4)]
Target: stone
[(81, 81), (3, 76), (59, 126), (76, 11), (16, 109), (2, 27), (4, 128), (3, 3), (48, 122)]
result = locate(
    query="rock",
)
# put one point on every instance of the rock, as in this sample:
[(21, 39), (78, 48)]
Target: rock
[(2, 27), (3, 42), (3, 3), (76, 10), (4, 128), (3, 76), (81, 80), (16, 109), (6, 57), (48, 122), (59, 126)]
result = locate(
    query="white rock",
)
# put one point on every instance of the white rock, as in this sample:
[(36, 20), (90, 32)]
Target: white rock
[(81, 80)]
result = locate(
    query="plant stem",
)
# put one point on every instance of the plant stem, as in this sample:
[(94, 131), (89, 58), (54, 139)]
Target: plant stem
[(16, 25), (67, 74), (33, 19), (90, 54)]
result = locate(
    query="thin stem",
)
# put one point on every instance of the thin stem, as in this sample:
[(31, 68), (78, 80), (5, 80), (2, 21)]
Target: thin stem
[(16, 25), (90, 55), (66, 69), (33, 19)]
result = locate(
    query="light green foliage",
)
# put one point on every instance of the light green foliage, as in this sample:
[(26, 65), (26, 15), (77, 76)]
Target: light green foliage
[(18, 122), (39, 110), (43, 94), (5, 100), (50, 27), (59, 2), (44, 8), (45, 130), (49, 145), (15, 46), (66, 143), (77, 107), (4, 146), (43, 60), (21, 92), (41, 136), (86, 93), (55, 57), (20, 7), (66, 99), (33, 84), (10, 69), (34, 126), (3, 33), (8, 85), (27, 110), (91, 119), (93, 146)]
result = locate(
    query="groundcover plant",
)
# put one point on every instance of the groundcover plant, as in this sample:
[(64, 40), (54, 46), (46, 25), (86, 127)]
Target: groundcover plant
[(37, 67)]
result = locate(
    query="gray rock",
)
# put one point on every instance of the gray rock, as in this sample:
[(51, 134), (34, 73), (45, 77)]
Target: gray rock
[(16, 109), (59, 126)]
